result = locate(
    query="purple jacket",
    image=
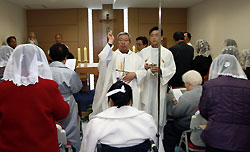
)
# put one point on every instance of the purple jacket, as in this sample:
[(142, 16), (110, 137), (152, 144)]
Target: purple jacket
[(225, 103)]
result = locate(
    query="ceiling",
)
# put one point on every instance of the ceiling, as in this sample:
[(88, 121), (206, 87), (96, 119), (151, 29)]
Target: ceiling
[(97, 4)]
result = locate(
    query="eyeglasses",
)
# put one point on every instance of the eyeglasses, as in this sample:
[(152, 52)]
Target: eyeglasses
[(154, 35)]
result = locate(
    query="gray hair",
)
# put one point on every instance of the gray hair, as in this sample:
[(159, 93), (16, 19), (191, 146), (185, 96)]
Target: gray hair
[(245, 58), (124, 33), (193, 77), (230, 42)]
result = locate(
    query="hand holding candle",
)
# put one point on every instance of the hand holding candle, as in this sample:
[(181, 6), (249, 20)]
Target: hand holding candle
[(133, 48)]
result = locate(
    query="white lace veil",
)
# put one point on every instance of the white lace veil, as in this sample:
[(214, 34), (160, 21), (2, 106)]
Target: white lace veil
[(226, 65), (203, 48), (245, 58), (26, 64), (5, 52)]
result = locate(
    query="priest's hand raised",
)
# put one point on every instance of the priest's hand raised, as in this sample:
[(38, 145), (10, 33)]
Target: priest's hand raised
[(110, 38), (129, 77)]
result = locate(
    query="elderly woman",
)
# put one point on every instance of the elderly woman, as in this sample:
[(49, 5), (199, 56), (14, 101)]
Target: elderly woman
[(203, 60), (5, 52), (183, 110), (231, 50), (245, 61), (225, 103), (30, 103), (120, 125)]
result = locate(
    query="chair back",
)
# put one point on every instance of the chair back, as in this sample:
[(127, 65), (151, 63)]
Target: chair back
[(195, 123), (142, 147)]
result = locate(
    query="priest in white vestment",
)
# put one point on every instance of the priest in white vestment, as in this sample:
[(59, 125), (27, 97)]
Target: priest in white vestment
[(122, 64), (149, 91)]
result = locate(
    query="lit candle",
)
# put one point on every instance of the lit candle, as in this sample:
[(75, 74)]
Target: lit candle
[(133, 48), (85, 57), (79, 54)]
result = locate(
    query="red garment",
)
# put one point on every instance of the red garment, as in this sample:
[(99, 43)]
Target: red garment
[(27, 115)]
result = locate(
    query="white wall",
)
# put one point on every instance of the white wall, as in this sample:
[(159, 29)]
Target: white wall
[(12, 22), (217, 20)]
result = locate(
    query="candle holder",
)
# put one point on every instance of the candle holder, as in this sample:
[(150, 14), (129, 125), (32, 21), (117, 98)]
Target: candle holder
[(85, 62)]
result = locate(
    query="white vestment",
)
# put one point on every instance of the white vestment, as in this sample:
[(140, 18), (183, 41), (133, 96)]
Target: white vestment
[(119, 127), (68, 83), (150, 91), (113, 65)]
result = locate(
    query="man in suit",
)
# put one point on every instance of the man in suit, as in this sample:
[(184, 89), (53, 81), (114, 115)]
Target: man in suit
[(183, 56)]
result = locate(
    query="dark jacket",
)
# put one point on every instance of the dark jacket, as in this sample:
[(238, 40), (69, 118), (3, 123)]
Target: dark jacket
[(183, 57), (202, 64), (225, 103), (247, 71)]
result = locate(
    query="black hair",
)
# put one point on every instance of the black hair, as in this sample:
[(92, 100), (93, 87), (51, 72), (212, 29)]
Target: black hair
[(70, 56), (143, 39), (9, 38), (155, 29), (58, 52), (178, 36), (120, 98), (188, 35)]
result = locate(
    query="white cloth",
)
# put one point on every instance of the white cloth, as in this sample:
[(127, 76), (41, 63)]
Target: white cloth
[(150, 91), (245, 58), (226, 65), (119, 127), (190, 44), (26, 64), (109, 62), (5, 52), (68, 83), (231, 50)]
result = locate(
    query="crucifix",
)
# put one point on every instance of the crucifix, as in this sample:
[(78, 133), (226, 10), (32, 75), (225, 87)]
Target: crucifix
[(108, 22)]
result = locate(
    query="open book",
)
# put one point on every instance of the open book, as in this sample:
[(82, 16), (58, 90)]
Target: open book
[(71, 64)]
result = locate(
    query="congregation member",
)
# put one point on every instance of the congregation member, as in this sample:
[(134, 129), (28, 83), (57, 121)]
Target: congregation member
[(232, 50), (30, 103), (121, 125), (230, 42), (203, 60), (183, 110), (245, 62), (68, 83), (5, 52), (187, 38), (121, 64), (167, 69), (32, 39), (225, 104), (183, 57), (141, 43), (11, 41)]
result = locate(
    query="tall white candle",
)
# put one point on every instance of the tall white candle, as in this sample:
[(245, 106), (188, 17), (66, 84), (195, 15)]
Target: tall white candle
[(85, 54), (79, 54)]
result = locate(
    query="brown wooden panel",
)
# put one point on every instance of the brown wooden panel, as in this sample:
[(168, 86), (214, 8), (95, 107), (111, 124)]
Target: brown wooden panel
[(174, 15), (47, 33), (51, 17)]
